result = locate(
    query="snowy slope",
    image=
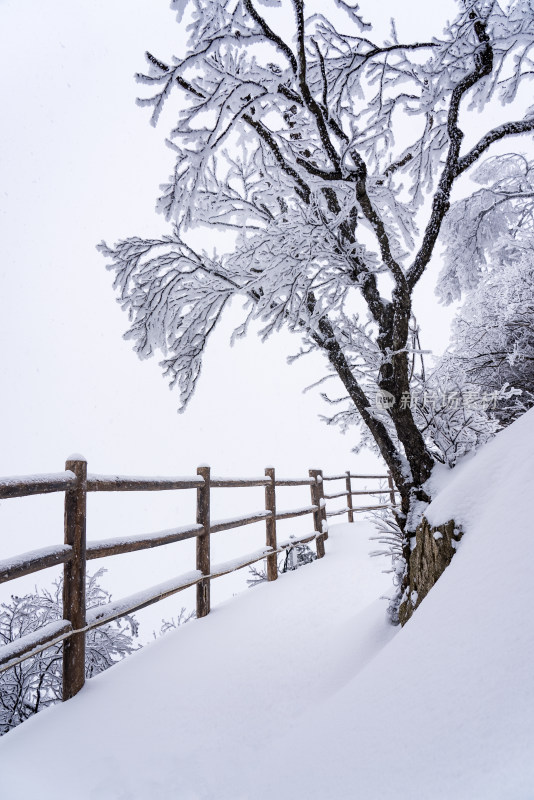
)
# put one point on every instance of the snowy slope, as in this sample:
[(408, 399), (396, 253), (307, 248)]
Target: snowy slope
[(447, 709), (174, 720), (300, 690)]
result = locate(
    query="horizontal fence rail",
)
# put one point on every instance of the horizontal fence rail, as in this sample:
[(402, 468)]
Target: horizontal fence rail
[(36, 484), (116, 483), (76, 551)]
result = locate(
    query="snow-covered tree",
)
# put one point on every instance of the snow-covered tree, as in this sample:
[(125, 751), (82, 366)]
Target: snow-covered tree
[(332, 158), (36, 682), (491, 261)]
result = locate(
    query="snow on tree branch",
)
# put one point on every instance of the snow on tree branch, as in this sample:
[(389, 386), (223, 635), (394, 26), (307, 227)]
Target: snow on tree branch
[(331, 158), (491, 228)]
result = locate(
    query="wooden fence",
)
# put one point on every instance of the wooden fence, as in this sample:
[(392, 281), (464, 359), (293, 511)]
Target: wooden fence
[(75, 552)]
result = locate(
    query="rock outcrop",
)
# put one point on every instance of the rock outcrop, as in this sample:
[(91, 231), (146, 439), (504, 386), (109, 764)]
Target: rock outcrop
[(432, 554)]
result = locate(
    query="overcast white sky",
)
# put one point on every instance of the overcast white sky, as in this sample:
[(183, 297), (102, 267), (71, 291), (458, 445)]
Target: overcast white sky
[(80, 163)]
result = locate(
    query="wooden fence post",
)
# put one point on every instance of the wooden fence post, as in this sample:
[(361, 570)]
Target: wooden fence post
[(270, 524), (392, 489), (317, 494), (349, 497), (322, 505), (74, 579), (203, 542)]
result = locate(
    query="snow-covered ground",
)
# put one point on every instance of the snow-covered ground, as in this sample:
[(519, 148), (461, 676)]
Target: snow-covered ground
[(300, 689), (176, 720)]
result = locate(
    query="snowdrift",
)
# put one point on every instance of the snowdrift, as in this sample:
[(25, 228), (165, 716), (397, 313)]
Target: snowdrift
[(301, 690), (447, 709)]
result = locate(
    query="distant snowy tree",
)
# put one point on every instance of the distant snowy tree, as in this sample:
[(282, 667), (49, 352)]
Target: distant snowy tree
[(290, 131), (491, 261), (455, 417), (36, 682)]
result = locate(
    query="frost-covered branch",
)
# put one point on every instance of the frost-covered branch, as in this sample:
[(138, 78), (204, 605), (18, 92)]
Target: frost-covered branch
[(291, 135), (483, 60), (502, 131)]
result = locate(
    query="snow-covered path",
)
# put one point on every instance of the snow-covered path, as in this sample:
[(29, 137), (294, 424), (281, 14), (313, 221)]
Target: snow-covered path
[(183, 717), (301, 691)]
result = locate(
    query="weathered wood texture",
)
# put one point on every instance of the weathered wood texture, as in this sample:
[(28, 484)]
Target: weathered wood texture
[(366, 477), (238, 522), (354, 494), (297, 512), (119, 483), (357, 509), (130, 544), (294, 481), (203, 542), (308, 537), (76, 552), (371, 491), (34, 561), (74, 580), (33, 643), (270, 523), (37, 484), (349, 493), (230, 483), (317, 494), (338, 511), (322, 505), (100, 615), (336, 495), (238, 563), (349, 497)]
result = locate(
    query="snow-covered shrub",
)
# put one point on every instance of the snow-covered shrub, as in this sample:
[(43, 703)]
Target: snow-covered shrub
[(181, 618), (298, 556), (389, 535), (294, 557), (36, 682)]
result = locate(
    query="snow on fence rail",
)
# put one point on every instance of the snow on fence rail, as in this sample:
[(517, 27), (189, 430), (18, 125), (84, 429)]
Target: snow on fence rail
[(19, 486), (75, 552)]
